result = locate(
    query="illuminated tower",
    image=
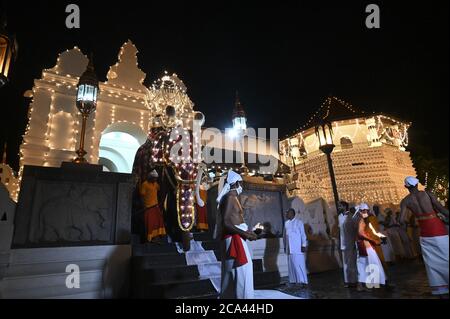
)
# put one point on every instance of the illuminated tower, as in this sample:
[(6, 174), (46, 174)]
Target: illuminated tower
[(238, 118)]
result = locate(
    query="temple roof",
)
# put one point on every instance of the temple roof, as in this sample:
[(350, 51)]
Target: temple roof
[(333, 109)]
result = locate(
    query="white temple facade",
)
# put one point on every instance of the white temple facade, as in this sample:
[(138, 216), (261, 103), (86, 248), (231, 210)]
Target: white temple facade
[(125, 111), (122, 114), (370, 160)]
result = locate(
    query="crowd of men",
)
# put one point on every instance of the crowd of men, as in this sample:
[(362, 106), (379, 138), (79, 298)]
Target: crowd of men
[(371, 240)]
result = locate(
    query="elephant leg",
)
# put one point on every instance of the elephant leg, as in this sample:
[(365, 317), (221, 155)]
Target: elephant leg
[(186, 240)]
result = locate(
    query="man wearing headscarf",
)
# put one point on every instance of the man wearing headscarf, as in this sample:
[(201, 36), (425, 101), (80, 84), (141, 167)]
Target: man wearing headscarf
[(433, 233), (237, 265), (295, 243), (153, 218)]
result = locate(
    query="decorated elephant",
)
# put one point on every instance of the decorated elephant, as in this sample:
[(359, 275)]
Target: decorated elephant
[(173, 150)]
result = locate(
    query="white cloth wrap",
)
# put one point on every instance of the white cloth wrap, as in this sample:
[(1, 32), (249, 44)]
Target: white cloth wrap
[(237, 282), (232, 178), (366, 274), (435, 256)]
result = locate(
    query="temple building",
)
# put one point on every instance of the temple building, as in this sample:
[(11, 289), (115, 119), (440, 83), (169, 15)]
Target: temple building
[(370, 159), (125, 111), (7, 176), (116, 128)]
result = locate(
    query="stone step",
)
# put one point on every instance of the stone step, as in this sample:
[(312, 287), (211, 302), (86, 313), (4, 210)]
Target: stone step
[(207, 296), (165, 274), (19, 270), (176, 289), (83, 295), (262, 280), (49, 280), (211, 245), (204, 236), (94, 289), (145, 249), (157, 260), (266, 279)]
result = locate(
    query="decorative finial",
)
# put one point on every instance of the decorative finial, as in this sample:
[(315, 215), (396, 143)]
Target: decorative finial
[(90, 65)]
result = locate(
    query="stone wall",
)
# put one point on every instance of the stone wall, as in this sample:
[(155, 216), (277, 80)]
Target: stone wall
[(74, 205)]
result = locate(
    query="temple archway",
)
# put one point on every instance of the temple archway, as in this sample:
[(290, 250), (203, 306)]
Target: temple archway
[(118, 145)]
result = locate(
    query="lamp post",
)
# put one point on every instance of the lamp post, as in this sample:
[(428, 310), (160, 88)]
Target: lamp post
[(8, 51), (324, 133), (87, 90)]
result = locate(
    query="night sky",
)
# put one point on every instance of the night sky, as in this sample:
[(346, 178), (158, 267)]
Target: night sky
[(283, 58)]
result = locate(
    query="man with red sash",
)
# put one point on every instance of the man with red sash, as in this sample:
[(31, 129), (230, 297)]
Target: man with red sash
[(237, 266), (433, 233)]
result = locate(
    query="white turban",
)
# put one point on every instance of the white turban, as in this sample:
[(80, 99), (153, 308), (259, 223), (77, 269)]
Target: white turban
[(360, 207), (232, 178), (363, 206), (411, 181), (154, 174)]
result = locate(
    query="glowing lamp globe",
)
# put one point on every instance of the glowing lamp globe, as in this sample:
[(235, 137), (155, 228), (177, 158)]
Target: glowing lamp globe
[(87, 90), (8, 52), (86, 101), (324, 133)]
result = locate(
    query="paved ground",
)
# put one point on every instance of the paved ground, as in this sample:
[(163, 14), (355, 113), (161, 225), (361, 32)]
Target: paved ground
[(409, 280)]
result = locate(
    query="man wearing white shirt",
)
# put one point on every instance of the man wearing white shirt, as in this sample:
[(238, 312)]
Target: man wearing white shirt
[(295, 244), (347, 230)]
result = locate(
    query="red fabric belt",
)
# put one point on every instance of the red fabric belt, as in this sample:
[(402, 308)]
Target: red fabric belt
[(236, 250), (431, 227)]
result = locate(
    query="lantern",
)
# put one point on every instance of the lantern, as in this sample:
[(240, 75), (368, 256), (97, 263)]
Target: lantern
[(86, 101), (324, 133), (8, 52)]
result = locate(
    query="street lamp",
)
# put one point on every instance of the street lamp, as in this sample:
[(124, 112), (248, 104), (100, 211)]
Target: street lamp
[(324, 133), (87, 90), (8, 51)]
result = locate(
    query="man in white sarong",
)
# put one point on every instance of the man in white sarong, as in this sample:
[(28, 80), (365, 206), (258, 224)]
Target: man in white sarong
[(348, 232), (406, 242), (370, 269), (391, 228), (433, 234), (388, 251), (295, 243), (237, 266)]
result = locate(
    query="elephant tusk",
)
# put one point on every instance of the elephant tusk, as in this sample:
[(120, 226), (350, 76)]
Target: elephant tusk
[(197, 186)]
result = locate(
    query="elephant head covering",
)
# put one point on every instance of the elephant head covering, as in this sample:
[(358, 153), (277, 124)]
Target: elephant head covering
[(232, 178), (411, 181)]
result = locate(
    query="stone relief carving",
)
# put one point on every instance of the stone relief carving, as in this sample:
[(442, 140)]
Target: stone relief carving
[(264, 208), (80, 213)]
